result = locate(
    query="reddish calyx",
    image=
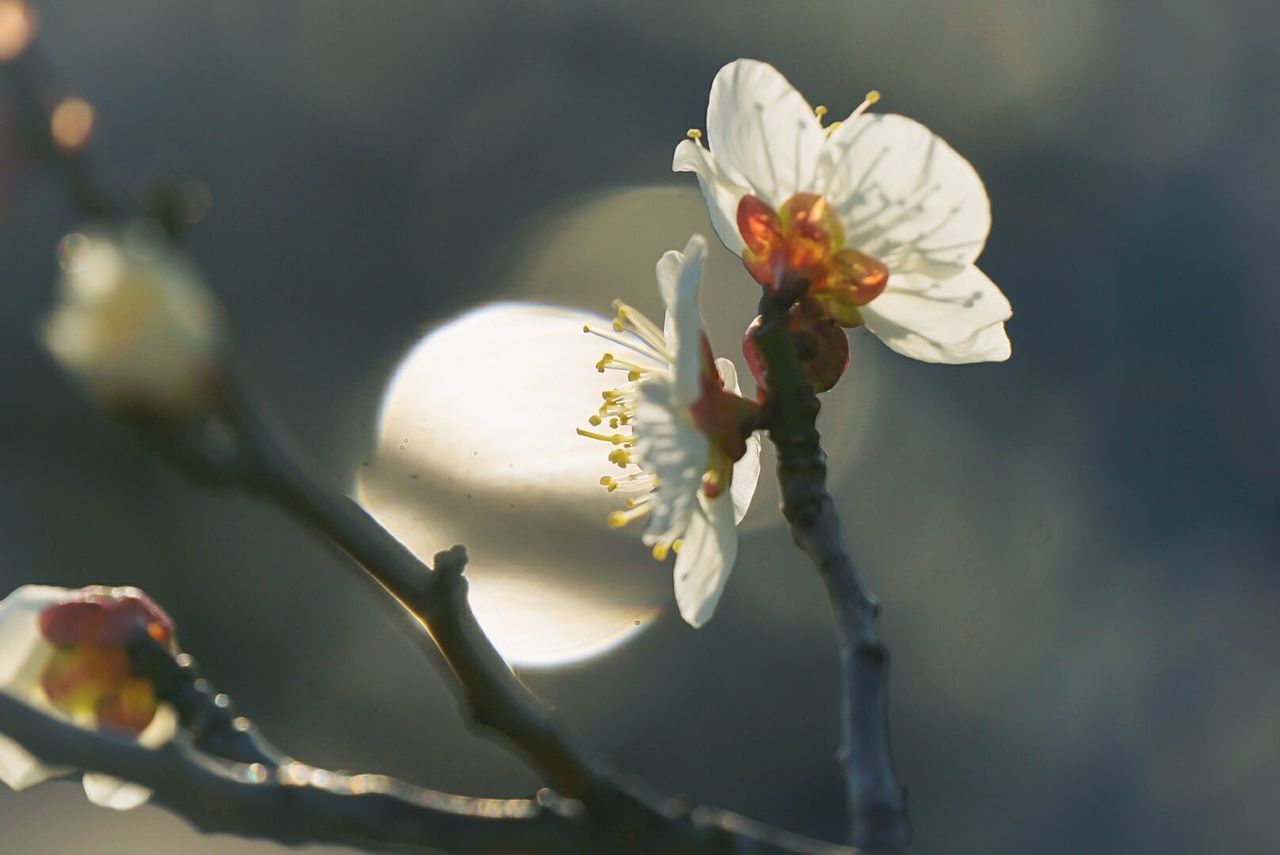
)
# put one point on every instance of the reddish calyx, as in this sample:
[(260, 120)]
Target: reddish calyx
[(90, 674), (726, 419), (821, 346), (800, 248)]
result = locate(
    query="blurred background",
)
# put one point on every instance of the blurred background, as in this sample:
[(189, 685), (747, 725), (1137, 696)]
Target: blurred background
[(1076, 552)]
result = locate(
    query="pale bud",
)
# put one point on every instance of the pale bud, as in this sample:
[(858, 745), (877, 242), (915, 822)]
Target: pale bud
[(135, 324)]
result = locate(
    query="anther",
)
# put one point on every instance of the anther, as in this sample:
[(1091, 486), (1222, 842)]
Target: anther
[(595, 421), (693, 134)]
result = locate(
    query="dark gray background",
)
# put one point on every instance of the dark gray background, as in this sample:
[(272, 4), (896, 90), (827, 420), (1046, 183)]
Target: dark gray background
[(1076, 551)]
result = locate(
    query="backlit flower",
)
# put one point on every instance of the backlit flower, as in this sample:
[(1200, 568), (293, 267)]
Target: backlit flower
[(135, 324), (681, 434), (65, 652), (873, 220)]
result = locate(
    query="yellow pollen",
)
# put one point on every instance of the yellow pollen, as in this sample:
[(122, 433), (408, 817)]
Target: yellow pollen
[(620, 456), (618, 519), (831, 127), (820, 111), (618, 325), (693, 134), (633, 375), (595, 421), (586, 328), (872, 97), (677, 545), (660, 551), (608, 483), (613, 423)]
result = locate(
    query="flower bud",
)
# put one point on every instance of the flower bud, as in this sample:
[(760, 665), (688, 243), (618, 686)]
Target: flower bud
[(135, 324), (65, 653)]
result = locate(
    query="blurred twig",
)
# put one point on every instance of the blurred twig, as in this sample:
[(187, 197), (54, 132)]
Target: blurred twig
[(296, 804), (877, 802)]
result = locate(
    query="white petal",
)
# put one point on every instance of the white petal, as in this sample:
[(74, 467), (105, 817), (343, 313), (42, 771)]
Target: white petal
[(674, 451), (746, 472), (705, 559), (989, 344), (679, 276), (761, 128), (939, 320), (904, 195), (20, 770), (136, 324), (108, 792), (721, 190), (23, 650)]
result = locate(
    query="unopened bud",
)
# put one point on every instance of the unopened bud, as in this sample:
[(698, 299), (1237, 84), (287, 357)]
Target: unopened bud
[(135, 324)]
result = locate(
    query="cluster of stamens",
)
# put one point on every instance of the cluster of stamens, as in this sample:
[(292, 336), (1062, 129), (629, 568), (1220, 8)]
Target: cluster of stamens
[(641, 352)]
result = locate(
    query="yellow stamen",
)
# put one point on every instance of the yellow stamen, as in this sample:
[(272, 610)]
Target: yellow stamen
[(677, 545), (618, 519), (820, 111), (595, 421), (693, 134), (616, 439), (871, 98), (660, 551)]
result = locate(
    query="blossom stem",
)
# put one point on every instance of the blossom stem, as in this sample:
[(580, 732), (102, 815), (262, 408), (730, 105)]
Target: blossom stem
[(876, 801)]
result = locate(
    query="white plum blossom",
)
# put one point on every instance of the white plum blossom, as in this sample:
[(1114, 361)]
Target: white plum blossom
[(68, 664), (899, 218), (135, 324), (681, 435)]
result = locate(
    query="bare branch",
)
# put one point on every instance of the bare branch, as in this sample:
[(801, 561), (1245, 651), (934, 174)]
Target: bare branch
[(297, 804), (242, 451), (877, 802)]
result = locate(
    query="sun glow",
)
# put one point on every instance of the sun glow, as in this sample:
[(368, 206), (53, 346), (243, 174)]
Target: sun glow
[(476, 444)]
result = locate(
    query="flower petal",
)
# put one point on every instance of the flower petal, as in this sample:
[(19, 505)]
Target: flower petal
[(673, 450), (956, 320), (761, 128), (746, 472), (679, 276), (705, 559), (20, 770), (23, 650), (904, 195), (721, 190), (108, 792), (23, 654)]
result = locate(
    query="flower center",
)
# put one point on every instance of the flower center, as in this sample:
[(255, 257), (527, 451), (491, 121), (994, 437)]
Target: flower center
[(641, 351), (798, 250), (89, 676)]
